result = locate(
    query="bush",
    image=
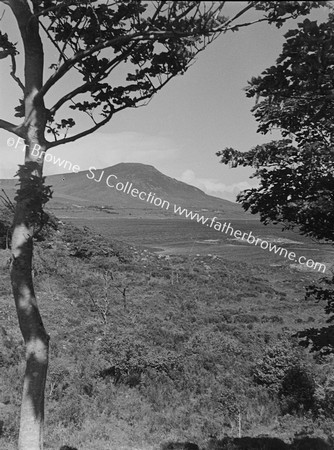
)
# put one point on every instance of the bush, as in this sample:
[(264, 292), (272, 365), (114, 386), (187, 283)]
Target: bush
[(6, 218), (129, 357), (297, 391), (71, 410), (272, 368), (85, 244)]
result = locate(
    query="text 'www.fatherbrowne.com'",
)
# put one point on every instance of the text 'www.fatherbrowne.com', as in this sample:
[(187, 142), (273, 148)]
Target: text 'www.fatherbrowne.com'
[(152, 198), (250, 238)]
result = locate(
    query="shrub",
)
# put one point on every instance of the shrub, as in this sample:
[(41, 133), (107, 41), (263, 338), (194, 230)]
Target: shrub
[(297, 391), (71, 409), (272, 368), (6, 218), (129, 357), (85, 245)]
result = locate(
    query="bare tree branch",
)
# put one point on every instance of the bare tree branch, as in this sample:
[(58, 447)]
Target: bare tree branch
[(69, 63), (82, 134), (86, 86), (52, 8), (8, 126), (61, 53), (7, 201), (136, 37), (246, 24), (79, 90), (240, 13), (13, 73), (235, 27), (142, 36), (157, 11), (106, 120)]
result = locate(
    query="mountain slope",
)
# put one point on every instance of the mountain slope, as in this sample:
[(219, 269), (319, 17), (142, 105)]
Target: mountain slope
[(118, 187)]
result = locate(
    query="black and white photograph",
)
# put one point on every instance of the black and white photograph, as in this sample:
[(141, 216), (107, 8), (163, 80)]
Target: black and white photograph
[(166, 225)]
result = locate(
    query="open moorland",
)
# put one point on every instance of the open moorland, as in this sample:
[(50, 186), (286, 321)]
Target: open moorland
[(174, 236), (169, 334), (87, 199)]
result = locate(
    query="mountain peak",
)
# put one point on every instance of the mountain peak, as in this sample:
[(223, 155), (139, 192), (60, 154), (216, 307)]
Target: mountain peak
[(134, 164), (101, 187)]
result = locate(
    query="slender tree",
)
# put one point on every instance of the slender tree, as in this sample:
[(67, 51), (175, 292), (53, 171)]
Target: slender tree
[(95, 42)]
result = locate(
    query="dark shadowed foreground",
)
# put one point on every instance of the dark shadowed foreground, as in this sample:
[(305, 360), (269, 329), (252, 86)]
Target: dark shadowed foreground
[(254, 443)]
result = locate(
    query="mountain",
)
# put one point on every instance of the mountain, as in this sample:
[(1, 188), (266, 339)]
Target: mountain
[(129, 187)]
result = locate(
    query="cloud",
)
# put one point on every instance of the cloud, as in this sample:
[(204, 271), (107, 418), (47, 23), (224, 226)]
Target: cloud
[(99, 150), (106, 149), (215, 187)]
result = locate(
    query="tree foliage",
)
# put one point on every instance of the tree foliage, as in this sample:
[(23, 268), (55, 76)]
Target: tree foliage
[(297, 93), (320, 339), (147, 44), (296, 172), (123, 52)]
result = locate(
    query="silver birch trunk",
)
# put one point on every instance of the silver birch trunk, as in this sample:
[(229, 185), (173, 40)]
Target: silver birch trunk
[(28, 205)]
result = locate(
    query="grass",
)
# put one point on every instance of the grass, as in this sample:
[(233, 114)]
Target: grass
[(146, 349)]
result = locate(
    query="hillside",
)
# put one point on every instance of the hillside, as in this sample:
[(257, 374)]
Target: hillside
[(148, 349), (89, 189)]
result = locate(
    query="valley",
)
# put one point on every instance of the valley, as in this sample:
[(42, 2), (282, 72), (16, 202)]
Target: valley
[(167, 236), (164, 329)]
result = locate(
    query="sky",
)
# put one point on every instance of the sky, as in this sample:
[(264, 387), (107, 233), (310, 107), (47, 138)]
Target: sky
[(184, 125)]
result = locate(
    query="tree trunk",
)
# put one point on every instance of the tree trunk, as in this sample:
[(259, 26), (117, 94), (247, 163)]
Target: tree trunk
[(29, 203), (35, 337)]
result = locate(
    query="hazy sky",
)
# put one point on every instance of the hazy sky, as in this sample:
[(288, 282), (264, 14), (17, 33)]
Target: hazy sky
[(184, 125)]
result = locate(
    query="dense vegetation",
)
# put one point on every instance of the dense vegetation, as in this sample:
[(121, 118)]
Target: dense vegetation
[(295, 96), (147, 349)]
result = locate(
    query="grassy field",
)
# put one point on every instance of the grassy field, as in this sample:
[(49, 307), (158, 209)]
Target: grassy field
[(147, 348), (186, 237)]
